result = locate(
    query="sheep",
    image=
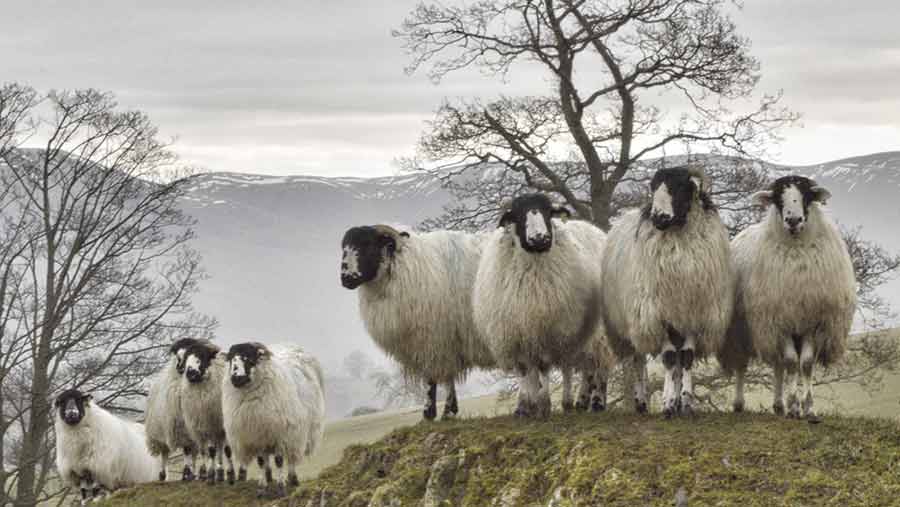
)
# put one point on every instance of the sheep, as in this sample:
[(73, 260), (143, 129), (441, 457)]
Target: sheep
[(201, 408), (536, 295), (796, 294), (273, 403), (415, 302), (668, 284), (164, 424), (95, 450)]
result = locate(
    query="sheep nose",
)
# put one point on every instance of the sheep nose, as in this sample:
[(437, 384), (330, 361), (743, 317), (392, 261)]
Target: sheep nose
[(662, 220), (350, 281), (540, 242), (793, 223), (193, 375), (239, 380)]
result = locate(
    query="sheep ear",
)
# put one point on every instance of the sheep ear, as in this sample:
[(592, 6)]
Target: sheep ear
[(507, 219), (87, 398), (561, 212), (404, 234), (262, 352), (820, 194), (762, 198)]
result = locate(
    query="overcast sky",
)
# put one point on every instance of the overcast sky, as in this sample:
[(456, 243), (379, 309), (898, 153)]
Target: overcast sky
[(317, 86)]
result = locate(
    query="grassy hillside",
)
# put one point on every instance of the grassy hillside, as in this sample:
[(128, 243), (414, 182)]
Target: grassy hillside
[(614, 459)]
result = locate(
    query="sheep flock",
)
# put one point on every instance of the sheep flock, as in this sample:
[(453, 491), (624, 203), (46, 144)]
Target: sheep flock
[(542, 292)]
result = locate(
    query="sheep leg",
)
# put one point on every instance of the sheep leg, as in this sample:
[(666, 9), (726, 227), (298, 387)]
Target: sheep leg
[(545, 406), (598, 391), (230, 464), (584, 391), (220, 467), (430, 411), (670, 395), (686, 367), (188, 473), (567, 403), (211, 464), (244, 463), (528, 387), (640, 383), (451, 407), (280, 490), (87, 487), (163, 465), (792, 365), (265, 475), (807, 362), (778, 388), (203, 459), (293, 480), (738, 404)]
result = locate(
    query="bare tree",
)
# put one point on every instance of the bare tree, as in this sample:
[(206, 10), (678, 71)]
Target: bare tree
[(102, 273), (606, 60)]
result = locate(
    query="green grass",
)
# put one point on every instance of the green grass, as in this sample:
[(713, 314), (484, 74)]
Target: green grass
[(614, 459)]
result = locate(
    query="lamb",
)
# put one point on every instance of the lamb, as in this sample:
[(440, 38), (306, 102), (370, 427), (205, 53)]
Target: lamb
[(668, 284), (96, 450), (415, 301), (796, 294), (201, 406), (165, 427), (273, 403), (536, 295)]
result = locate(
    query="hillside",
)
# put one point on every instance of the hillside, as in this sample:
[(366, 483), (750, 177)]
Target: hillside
[(613, 459)]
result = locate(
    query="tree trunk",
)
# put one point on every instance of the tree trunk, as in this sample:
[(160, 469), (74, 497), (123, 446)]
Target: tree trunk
[(33, 439)]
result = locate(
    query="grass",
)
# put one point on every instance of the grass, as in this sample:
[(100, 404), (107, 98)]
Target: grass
[(615, 460)]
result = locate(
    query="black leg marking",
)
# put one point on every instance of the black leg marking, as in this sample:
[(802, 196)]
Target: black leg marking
[(279, 461), (669, 358), (687, 359), (230, 475), (451, 408), (228, 452), (676, 338), (162, 475), (430, 411), (260, 461), (293, 480), (220, 475), (202, 473), (798, 343), (242, 474), (268, 475)]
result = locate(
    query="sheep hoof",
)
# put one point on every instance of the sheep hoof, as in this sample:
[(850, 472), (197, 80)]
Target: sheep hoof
[(778, 409), (429, 413), (640, 406), (230, 477), (242, 474), (187, 474), (202, 474), (293, 481), (220, 475), (813, 419), (162, 476), (597, 405), (581, 405), (668, 413), (738, 407), (568, 406)]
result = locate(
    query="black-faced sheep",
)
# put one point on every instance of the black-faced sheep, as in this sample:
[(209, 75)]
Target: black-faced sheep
[(96, 450), (668, 284), (796, 293), (164, 423), (201, 408), (273, 404), (415, 301), (536, 295)]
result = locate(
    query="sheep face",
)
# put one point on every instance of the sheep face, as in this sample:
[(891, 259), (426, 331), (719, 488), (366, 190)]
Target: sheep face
[(674, 192), (242, 359), (197, 361), (792, 196), (529, 218), (178, 351), (367, 251), (72, 405)]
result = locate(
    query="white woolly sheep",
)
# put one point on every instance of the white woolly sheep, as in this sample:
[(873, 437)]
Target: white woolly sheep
[(201, 406), (164, 423), (796, 293), (273, 403), (536, 295), (415, 301), (96, 450), (668, 284)]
